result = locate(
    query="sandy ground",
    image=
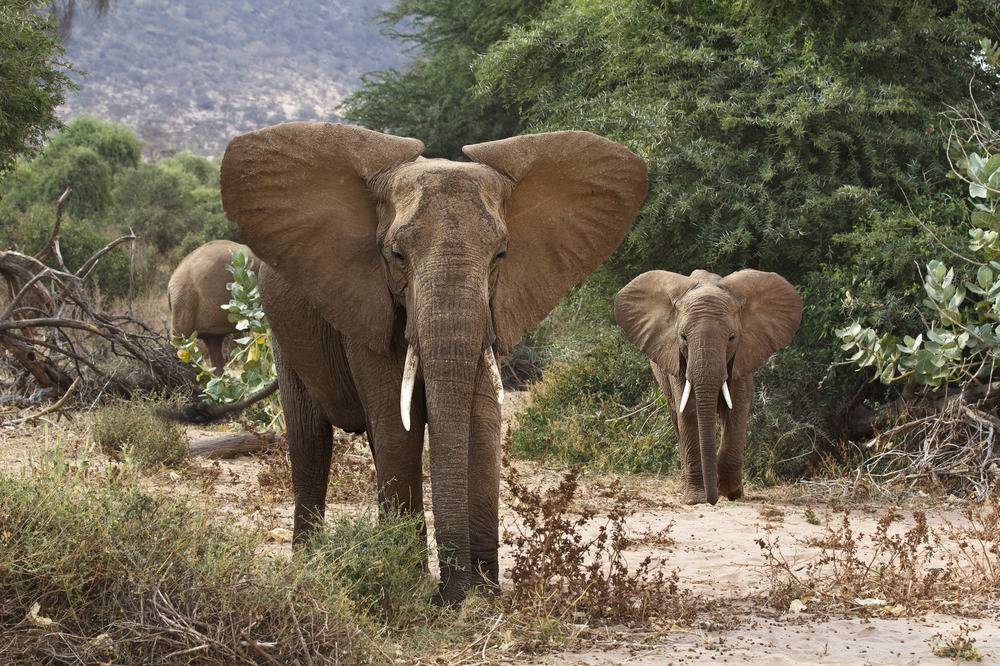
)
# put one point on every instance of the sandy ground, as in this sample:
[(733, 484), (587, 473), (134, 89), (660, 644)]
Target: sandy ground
[(719, 553)]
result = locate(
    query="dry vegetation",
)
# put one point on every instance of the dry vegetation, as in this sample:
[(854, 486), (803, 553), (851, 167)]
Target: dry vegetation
[(190, 563), (59, 337)]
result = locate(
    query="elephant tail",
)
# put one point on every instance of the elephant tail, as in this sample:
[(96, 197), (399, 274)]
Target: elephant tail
[(207, 412)]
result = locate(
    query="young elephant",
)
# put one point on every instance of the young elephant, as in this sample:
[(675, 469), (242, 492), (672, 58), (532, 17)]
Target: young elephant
[(196, 293), (704, 336)]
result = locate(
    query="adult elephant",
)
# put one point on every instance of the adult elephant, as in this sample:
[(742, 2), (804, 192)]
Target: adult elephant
[(196, 293), (393, 282), (705, 335)]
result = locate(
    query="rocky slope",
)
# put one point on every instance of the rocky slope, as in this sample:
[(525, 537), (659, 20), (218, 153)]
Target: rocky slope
[(190, 74)]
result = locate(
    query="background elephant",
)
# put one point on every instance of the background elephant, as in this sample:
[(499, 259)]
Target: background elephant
[(704, 336), (196, 293), (392, 282)]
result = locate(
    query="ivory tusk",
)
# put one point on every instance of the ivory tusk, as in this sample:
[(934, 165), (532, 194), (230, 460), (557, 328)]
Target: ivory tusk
[(409, 378), (685, 395), (491, 363), (725, 394)]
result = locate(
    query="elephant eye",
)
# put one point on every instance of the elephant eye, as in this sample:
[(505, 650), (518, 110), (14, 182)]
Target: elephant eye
[(732, 337), (397, 255), (684, 337), (501, 255)]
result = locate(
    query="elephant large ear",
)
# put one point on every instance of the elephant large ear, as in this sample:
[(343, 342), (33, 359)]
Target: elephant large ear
[(574, 197), (772, 312), (299, 193), (645, 311)]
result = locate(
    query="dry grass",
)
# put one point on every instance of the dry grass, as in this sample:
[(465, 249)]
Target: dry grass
[(895, 570), (570, 581)]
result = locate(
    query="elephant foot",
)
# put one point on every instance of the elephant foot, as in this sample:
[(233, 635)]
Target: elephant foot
[(731, 487), (693, 495)]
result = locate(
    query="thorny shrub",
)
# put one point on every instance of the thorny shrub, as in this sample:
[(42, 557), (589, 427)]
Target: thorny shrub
[(565, 574)]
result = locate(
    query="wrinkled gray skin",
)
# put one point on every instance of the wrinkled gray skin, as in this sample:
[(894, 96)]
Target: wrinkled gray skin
[(371, 251), (196, 293), (710, 331)]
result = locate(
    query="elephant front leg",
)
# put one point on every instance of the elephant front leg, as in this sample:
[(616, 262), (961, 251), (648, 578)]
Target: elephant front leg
[(734, 432), (688, 443), (397, 452), (397, 455)]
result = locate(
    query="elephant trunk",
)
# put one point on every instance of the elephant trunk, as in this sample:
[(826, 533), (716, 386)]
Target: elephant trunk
[(707, 377), (451, 328), (706, 402)]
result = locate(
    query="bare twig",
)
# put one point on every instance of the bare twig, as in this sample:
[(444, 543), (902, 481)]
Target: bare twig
[(50, 244), (55, 407)]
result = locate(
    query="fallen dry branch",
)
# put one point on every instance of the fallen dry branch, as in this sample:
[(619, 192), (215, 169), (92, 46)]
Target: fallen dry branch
[(947, 443), (58, 337), (233, 444), (55, 407)]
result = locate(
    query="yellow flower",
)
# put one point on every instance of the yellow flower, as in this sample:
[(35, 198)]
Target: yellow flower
[(183, 354), (254, 354)]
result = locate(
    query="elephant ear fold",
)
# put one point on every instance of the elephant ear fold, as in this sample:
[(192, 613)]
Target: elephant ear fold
[(299, 194), (772, 312), (644, 309), (574, 196)]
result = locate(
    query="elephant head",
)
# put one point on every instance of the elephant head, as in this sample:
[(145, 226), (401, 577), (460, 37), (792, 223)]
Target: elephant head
[(444, 264), (708, 334)]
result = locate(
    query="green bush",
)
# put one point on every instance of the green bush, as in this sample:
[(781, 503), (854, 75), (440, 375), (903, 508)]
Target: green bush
[(172, 206), (117, 146), (80, 240), (379, 558), (136, 431), (961, 344), (602, 409)]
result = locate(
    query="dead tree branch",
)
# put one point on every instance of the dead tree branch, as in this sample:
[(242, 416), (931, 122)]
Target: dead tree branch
[(56, 336)]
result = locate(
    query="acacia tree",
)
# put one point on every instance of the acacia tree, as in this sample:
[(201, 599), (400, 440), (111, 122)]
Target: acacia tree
[(768, 127)]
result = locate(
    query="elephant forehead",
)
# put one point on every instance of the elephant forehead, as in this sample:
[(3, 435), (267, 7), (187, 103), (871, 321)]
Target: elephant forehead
[(709, 300), (447, 200), (443, 181)]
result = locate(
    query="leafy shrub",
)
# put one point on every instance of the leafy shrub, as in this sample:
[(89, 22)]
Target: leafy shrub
[(251, 366), (602, 409), (117, 145), (962, 342), (136, 431)]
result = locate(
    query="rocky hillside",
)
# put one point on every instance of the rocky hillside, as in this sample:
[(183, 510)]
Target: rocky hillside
[(191, 74)]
